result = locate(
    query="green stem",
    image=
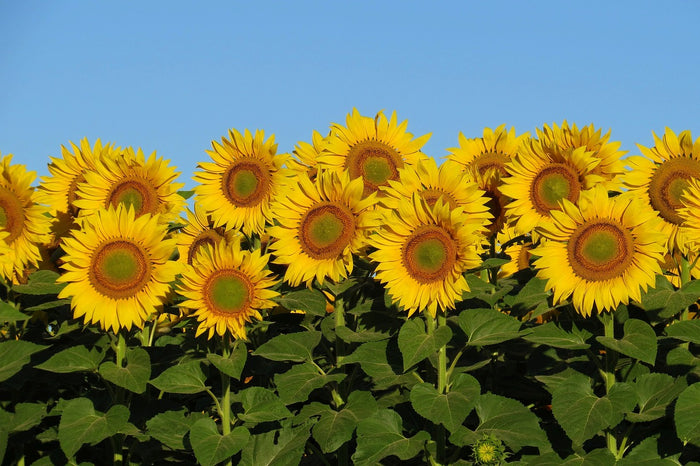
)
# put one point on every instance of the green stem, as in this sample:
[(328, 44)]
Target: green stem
[(685, 278), (610, 361), (343, 455), (226, 394), (441, 385), (121, 349)]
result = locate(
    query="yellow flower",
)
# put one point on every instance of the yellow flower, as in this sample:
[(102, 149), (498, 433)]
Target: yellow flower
[(25, 223), (227, 287), (661, 176), (147, 185), (306, 155), (199, 229), (611, 165), (601, 251), (423, 252), (541, 176), (117, 268), (237, 187), (372, 148), (520, 253), (322, 223)]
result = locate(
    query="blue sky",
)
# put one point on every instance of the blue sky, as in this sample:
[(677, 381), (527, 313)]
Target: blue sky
[(172, 76)]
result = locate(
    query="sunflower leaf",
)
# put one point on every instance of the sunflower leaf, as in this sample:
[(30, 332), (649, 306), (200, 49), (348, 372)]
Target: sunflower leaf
[(233, 365), (686, 416), (261, 405), (381, 362), (8, 313), (449, 409), (666, 301), (638, 342), (210, 447), (416, 344), (646, 454), (134, 377), (381, 435), (74, 359), (508, 420), (654, 393), (686, 330), (488, 326), (283, 447), (14, 354), (551, 334), (334, 428), (298, 382), (296, 347), (41, 282), (311, 301), (27, 415), (81, 424), (170, 427), (186, 378)]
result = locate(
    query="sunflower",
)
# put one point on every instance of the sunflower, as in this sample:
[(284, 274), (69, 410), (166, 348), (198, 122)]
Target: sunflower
[(306, 155), (433, 183), (661, 176), (237, 187), (26, 223), (611, 165), (602, 251), (199, 229), (423, 252), (117, 268), (541, 176), (372, 148), (145, 184), (519, 251), (227, 287), (322, 223)]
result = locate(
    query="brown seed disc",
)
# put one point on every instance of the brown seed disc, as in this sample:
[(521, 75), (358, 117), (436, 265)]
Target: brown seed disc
[(429, 254), (119, 269), (246, 183), (326, 230), (553, 183), (12, 216), (135, 192), (210, 237), (491, 161), (228, 292), (600, 250), (431, 195), (667, 184), (375, 162)]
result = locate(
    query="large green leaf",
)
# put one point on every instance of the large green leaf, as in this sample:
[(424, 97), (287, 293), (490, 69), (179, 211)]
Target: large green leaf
[(73, 359), (667, 301), (9, 313), (334, 428), (134, 377), (210, 447), (27, 415), (298, 382), (351, 336), (284, 447), (509, 421), (261, 405), (638, 341), (183, 378), (295, 347), (381, 435), (14, 354), (170, 427), (551, 334), (687, 330), (654, 393), (597, 457), (582, 414), (41, 282), (311, 301), (647, 454), (530, 296), (81, 424), (233, 365), (416, 344), (686, 415), (449, 409), (375, 359), (488, 326)]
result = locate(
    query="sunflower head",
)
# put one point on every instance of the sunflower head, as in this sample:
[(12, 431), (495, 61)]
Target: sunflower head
[(227, 287), (422, 253), (305, 156), (373, 149), (117, 268), (199, 230), (601, 252), (245, 174)]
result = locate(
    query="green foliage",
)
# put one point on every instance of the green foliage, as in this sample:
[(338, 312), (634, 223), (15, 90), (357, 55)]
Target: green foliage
[(210, 447), (639, 341)]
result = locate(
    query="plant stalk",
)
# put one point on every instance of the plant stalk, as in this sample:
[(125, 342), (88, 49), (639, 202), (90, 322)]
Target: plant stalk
[(226, 394), (610, 361)]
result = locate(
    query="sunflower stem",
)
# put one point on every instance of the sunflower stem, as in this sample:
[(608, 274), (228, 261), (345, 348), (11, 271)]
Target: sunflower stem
[(225, 406), (441, 383), (608, 321), (685, 278)]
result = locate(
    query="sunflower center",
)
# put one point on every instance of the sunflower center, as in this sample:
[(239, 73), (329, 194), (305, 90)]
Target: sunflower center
[(555, 182), (246, 182), (429, 254), (431, 195), (326, 230), (600, 251), (119, 269), (228, 292), (667, 184), (136, 193), (490, 162), (210, 237), (375, 162), (11, 215)]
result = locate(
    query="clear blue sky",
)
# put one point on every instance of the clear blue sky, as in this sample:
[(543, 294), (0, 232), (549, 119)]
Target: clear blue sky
[(173, 76)]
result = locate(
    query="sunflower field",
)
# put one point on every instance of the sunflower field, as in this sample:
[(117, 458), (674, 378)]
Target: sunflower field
[(532, 299)]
